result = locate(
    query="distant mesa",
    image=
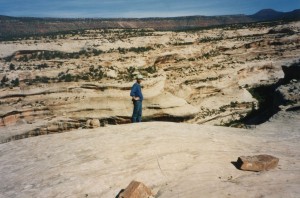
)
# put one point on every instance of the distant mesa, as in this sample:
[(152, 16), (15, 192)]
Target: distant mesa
[(270, 15), (267, 14), (20, 26)]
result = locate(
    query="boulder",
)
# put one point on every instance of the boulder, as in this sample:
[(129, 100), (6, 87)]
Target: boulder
[(112, 74), (53, 128), (93, 123), (257, 163), (136, 190)]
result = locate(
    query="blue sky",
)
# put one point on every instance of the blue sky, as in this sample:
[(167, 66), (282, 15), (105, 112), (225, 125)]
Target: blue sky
[(139, 8)]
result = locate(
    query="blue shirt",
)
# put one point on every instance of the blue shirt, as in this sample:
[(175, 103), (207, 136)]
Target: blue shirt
[(136, 91)]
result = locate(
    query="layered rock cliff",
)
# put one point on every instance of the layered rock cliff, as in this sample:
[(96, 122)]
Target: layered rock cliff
[(55, 84)]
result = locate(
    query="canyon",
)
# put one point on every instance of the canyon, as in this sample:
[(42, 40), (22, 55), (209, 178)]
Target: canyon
[(71, 89), (53, 85)]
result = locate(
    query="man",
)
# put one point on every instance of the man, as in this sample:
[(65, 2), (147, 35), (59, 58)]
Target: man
[(137, 98)]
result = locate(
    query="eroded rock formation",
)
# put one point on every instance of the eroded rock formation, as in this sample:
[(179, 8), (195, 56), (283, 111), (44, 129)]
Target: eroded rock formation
[(194, 76)]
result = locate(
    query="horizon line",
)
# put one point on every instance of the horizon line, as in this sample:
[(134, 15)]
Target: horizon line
[(240, 14)]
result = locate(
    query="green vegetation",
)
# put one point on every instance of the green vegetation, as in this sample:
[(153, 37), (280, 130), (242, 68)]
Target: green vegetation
[(49, 55), (233, 104), (210, 54), (130, 72), (4, 81), (93, 74), (184, 43), (39, 36), (42, 66), (191, 59), (91, 32), (188, 82), (15, 82), (134, 49), (210, 39), (42, 79), (233, 26), (151, 69), (12, 67)]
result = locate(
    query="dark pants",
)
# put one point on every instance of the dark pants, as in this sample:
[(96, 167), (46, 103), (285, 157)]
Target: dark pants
[(137, 111)]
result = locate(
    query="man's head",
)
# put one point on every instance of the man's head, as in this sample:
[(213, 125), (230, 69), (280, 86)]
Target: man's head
[(139, 78)]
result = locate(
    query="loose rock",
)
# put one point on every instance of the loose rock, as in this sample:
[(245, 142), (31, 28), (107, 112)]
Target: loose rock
[(257, 163), (93, 123), (112, 74), (53, 128), (136, 190)]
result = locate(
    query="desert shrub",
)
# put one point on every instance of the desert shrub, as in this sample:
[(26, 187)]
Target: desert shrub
[(151, 69), (85, 77), (23, 58), (134, 49), (15, 82), (4, 79), (42, 79), (82, 52), (42, 66), (99, 75), (185, 43), (209, 39), (48, 55), (130, 72), (282, 31), (248, 46), (91, 69), (12, 67), (233, 104), (222, 109), (68, 78), (97, 52), (276, 43), (212, 53)]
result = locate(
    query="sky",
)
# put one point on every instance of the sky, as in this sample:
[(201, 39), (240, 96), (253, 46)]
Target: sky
[(138, 8)]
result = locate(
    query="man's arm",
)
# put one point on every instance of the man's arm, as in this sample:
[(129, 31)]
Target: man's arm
[(133, 92)]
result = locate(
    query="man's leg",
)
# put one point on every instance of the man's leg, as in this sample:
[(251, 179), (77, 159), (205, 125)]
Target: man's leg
[(135, 112), (139, 118)]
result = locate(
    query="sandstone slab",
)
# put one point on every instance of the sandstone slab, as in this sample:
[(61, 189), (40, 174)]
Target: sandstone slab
[(174, 159), (257, 163), (136, 190)]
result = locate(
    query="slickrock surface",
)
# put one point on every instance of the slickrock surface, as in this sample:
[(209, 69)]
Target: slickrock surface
[(174, 160)]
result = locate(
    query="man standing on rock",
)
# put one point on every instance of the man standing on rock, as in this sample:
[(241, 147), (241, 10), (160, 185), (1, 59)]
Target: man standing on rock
[(137, 98)]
